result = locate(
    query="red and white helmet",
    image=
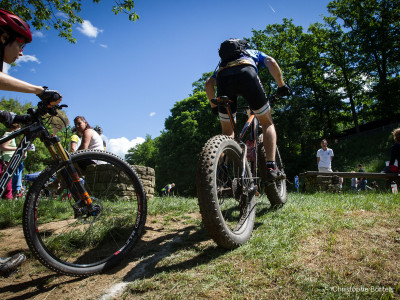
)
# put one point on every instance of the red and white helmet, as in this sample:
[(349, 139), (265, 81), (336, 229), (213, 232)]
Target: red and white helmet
[(15, 23)]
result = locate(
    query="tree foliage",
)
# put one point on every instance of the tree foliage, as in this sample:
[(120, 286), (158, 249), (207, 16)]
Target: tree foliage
[(143, 154), (60, 14), (374, 26), (344, 72)]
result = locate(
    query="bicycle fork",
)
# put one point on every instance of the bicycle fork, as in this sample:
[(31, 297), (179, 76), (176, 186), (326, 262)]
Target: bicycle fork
[(72, 179)]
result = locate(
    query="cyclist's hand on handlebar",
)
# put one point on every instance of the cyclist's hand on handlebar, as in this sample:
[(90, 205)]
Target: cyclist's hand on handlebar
[(215, 110), (284, 91), (50, 97)]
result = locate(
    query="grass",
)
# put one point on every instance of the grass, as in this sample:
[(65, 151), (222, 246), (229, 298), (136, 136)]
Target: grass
[(317, 246)]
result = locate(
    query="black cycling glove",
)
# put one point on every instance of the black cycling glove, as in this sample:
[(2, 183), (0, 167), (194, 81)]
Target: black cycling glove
[(284, 91), (215, 110), (48, 96)]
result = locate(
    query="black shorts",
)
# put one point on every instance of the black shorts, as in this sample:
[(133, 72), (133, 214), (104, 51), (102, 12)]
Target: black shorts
[(241, 81)]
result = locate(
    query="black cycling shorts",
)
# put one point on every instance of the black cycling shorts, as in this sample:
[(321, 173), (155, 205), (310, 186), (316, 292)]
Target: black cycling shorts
[(241, 81)]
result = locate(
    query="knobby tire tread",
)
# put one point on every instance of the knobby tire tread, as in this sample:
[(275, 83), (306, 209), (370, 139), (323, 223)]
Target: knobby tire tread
[(29, 209), (208, 199)]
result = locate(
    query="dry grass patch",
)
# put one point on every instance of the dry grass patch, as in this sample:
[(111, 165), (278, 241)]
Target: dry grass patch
[(363, 256)]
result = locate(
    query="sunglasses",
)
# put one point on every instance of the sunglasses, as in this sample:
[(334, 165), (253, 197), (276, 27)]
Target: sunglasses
[(22, 43)]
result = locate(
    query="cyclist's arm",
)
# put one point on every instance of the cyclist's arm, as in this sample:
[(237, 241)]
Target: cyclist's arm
[(274, 70), (9, 83), (210, 85)]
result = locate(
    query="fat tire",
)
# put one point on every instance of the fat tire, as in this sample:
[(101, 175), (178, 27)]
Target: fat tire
[(276, 191), (209, 200), (131, 235)]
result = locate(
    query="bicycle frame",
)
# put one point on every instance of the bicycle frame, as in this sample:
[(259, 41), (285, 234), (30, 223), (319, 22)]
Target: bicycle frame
[(251, 123), (57, 151)]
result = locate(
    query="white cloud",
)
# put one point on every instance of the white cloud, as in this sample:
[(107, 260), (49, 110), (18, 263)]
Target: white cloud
[(21, 59), (6, 67), (88, 29), (104, 46), (152, 114), (38, 34), (121, 145), (27, 58), (61, 15)]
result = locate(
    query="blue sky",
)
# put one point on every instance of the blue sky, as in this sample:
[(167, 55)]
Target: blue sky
[(126, 76)]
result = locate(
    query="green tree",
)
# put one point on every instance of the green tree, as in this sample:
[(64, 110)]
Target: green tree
[(143, 154), (340, 53), (14, 106), (199, 85), (190, 125), (374, 26), (46, 14)]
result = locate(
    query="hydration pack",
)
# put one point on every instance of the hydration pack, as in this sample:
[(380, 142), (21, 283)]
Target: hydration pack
[(232, 49)]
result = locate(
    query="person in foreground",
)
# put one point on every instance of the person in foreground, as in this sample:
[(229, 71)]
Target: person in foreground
[(238, 76), (14, 35)]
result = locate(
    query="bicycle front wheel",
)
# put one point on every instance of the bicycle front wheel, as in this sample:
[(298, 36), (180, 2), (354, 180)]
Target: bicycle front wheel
[(74, 243), (227, 203)]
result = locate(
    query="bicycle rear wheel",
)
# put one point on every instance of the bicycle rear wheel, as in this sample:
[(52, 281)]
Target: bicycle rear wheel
[(227, 205), (275, 190), (72, 243)]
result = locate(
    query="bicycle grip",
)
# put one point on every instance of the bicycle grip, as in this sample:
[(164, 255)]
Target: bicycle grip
[(214, 101)]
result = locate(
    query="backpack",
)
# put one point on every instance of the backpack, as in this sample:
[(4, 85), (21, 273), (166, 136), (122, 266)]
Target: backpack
[(232, 49)]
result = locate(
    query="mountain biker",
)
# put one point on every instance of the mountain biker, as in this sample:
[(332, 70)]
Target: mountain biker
[(167, 189), (236, 76), (14, 35)]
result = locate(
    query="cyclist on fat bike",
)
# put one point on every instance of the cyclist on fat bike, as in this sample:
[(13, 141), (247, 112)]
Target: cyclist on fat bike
[(237, 76), (14, 35)]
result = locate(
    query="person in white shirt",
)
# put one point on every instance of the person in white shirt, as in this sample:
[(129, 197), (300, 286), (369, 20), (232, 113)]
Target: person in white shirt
[(324, 157), (90, 138)]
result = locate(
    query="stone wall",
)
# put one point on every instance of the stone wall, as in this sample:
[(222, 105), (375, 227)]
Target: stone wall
[(321, 183), (100, 175), (148, 178)]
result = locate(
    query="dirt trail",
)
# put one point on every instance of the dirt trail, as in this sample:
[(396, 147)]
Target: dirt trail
[(35, 281)]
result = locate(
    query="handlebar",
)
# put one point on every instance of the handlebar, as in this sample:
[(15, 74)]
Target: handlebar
[(43, 109)]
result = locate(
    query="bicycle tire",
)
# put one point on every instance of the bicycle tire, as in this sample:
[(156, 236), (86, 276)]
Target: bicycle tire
[(276, 191), (79, 245), (227, 216)]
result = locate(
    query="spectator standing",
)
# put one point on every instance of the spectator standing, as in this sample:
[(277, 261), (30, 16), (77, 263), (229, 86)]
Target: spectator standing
[(353, 182), (324, 157), (395, 152), (7, 150), (362, 182)]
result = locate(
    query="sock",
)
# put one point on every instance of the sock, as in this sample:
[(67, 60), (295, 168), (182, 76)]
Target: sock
[(271, 165)]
